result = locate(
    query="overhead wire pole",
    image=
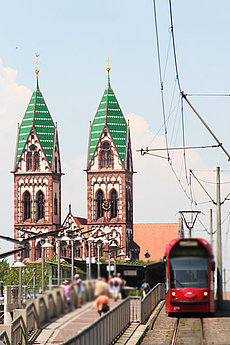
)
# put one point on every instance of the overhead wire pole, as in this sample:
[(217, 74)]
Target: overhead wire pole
[(218, 237), (218, 242), (211, 227)]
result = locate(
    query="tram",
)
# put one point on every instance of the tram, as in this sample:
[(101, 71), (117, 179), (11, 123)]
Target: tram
[(189, 276)]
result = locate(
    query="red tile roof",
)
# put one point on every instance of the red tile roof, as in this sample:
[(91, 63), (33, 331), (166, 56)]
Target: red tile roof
[(154, 237), (81, 223)]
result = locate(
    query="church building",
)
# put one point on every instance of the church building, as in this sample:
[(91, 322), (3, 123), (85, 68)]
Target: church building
[(110, 175), (37, 174), (109, 184)]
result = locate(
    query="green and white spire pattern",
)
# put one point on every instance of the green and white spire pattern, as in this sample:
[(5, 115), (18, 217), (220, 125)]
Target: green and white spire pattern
[(109, 114), (37, 116)]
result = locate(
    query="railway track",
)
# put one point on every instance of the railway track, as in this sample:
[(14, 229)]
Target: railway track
[(188, 331), (175, 331)]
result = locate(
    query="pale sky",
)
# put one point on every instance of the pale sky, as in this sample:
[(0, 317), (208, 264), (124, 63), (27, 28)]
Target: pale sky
[(74, 38)]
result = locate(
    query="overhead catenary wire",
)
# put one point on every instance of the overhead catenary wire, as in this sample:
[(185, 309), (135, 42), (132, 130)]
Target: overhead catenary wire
[(174, 45), (208, 94), (162, 94), (160, 74), (179, 86)]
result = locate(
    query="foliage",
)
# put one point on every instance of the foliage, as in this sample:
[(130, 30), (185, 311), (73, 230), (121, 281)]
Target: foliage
[(10, 275), (4, 269), (141, 262), (136, 292), (52, 259)]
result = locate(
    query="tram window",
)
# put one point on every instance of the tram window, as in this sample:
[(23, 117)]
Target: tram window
[(166, 275), (189, 272)]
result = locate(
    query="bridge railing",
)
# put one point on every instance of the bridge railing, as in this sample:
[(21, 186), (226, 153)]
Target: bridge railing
[(37, 312), (110, 326), (103, 331), (150, 301)]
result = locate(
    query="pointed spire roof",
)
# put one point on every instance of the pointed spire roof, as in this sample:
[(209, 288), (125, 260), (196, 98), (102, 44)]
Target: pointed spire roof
[(109, 114), (37, 117)]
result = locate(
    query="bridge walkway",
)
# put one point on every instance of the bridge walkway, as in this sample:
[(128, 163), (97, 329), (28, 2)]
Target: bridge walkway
[(68, 325)]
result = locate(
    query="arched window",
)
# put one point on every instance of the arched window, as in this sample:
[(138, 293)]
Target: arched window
[(29, 161), (128, 206), (99, 202), (26, 205), (36, 160), (105, 156), (113, 199), (78, 251), (26, 251), (40, 205), (55, 164), (38, 251), (55, 204), (64, 251)]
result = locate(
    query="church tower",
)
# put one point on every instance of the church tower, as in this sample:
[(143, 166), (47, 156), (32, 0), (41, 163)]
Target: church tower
[(110, 175), (37, 174)]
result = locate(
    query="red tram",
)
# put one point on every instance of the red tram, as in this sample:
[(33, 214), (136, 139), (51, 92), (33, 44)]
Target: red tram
[(189, 276)]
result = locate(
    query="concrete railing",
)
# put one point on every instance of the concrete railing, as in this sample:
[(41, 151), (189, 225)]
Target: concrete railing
[(103, 331), (110, 326), (37, 312)]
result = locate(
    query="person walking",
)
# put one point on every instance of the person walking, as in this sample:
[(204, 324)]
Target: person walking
[(102, 303), (122, 286), (100, 286), (67, 295), (145, 288), (115, 286), (80, 288)]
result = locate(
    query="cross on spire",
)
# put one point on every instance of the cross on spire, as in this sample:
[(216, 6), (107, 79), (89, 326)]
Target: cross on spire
[(108, 68), (37, 63)]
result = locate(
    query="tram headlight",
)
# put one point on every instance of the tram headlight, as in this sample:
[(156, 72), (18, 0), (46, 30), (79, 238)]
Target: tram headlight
[(205, 294), (173, 294)]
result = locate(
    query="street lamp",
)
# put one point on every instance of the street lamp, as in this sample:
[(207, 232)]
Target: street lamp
[(114, 250), (127, 259), (71, 239), (19, 264), (81, 239), (90, 239), (44, 246), (99, 244)]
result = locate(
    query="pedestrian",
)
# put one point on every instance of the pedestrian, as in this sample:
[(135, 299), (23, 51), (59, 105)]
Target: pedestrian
[(102, 303), (115, 286), (122, 286), (145, 288), (67, 295), (100, 286), (80, 288)]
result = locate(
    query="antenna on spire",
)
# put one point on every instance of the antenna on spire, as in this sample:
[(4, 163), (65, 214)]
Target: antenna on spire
[(37, 70), (108, 68)]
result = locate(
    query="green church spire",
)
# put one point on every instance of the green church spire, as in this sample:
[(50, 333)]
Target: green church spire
[(109, 114), (38, 118)]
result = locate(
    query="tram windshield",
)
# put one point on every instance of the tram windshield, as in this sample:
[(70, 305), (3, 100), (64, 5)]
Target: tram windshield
[(189, 272)]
